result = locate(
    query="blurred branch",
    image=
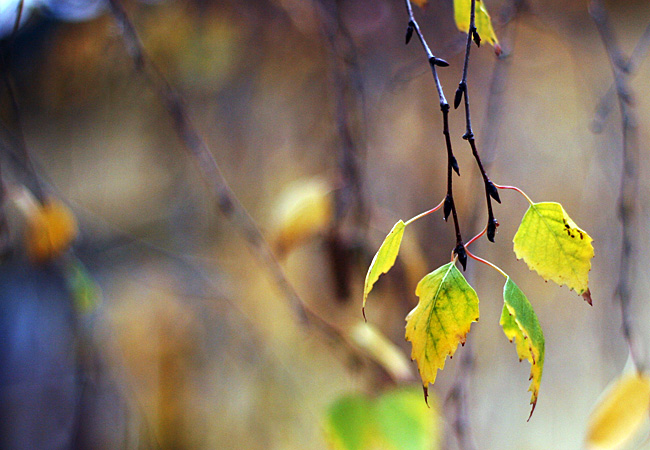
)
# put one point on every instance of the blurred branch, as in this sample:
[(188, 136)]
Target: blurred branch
[(225, 199), (458, 395), (630, 66), (452, 164), (16, 146), (348, 92), (629, 178)]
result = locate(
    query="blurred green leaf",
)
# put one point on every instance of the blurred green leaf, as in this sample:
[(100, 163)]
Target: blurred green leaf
[(397, 420)]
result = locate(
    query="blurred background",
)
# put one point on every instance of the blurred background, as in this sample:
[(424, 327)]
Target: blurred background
[(184, 340)]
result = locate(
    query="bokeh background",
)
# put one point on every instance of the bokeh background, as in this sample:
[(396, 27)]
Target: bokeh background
[(192, 345)]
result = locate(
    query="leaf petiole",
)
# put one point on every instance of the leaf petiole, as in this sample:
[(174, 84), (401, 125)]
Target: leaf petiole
[(514, 188), (425, 213), (484, 261), (476, 237)]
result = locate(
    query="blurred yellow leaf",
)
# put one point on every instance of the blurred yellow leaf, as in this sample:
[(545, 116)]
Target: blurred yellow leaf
[(304, 210), (51, 228), (382, 350), (619, 413), (420, 3)]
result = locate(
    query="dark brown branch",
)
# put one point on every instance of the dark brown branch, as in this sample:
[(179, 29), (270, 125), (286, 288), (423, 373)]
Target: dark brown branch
[(452, 164), (462, 93), (629, 179)]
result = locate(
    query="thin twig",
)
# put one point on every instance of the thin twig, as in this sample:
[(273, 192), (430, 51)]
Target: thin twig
[(629, 178), (452, 164), (462, 92), (460, 391)]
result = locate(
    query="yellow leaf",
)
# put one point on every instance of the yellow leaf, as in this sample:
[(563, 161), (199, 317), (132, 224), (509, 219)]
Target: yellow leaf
[(51, 228), (482, 21), (304, 210), (384, 259), (382, 350), (555, 247), (519, 322), (441, 320), (619, 413)]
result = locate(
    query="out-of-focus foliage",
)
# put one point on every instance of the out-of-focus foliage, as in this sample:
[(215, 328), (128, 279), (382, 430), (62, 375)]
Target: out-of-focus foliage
[(619, 413), (51, 228), (396, 420), (387, 354), (304, 209)]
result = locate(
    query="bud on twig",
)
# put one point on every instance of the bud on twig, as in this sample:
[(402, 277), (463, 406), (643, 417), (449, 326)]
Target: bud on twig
[(409, 32), (454, 165), (462, 255), (492, 228), (492, 191), (449, 203)]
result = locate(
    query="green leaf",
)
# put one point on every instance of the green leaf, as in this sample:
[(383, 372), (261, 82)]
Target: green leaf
[(397, 420), (385, 258), (555, 247), (349, 425), (441, 320), (85, 292), (519, 322), (462, 11)]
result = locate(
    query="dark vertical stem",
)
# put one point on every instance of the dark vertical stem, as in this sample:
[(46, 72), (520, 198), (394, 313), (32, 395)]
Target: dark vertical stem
[(462, 92), (452, 164), (629, 178)]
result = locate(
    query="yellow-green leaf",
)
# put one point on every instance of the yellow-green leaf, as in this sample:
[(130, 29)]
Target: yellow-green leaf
[(397, 420), (519, 322), (620, 412), (385, 258), (462, 10), (555, 247), (441, 320)]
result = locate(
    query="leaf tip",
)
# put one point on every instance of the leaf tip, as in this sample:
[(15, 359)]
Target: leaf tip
[(426, 395), (586, 295), (363, 312), (532, 410)]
